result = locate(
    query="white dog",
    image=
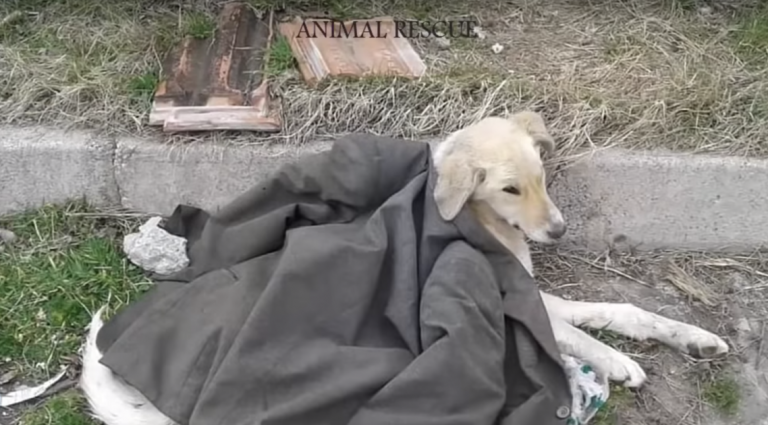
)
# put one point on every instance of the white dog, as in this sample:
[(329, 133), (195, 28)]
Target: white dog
[(495, 167)]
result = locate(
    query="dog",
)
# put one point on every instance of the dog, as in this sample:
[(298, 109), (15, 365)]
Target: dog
[(495, 168)]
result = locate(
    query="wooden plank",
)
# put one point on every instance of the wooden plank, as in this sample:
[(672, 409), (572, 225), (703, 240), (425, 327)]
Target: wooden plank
[(333, 54), (225, 71), (195, 118)]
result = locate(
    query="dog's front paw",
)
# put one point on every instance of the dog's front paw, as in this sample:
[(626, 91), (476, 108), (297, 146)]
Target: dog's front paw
[(702, 344), (620, 368)]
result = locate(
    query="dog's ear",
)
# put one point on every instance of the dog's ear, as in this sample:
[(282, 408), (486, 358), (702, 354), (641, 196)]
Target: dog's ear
[(456, 180), (533, 123)]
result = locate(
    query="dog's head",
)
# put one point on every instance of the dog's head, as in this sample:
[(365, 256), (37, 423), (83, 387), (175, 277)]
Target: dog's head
[(498, 161)]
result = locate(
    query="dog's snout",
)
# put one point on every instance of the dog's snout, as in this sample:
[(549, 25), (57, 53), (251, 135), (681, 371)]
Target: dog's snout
[(557, 230)]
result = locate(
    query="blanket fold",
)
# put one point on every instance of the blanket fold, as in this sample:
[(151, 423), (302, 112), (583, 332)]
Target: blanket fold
[(333, 293)]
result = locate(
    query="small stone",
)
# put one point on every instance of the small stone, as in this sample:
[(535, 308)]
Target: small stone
[(156, 250), (7, 377), (497, 48), (443, 42), (7, 237), (479, 32)]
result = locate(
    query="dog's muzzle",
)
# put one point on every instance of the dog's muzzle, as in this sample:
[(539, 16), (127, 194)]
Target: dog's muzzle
[(557, 230)]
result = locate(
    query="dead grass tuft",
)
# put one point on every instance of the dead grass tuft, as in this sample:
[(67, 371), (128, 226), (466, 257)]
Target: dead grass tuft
[(688, 285), (432, 106)]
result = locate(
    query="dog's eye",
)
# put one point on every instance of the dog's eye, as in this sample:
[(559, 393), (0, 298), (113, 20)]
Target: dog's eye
[(511, 189)]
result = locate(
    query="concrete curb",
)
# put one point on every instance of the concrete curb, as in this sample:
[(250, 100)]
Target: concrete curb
[(39, 165), (652, 200), (153, 177), (619, 198)]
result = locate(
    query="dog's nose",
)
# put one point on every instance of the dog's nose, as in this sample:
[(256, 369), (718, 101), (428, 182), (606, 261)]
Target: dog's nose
[(557, 231)]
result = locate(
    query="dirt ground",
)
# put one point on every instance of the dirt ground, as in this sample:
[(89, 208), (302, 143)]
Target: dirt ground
[(679, 389)]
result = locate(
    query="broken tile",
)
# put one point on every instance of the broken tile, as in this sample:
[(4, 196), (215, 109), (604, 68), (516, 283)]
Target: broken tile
[(329, 53), (218, 83)]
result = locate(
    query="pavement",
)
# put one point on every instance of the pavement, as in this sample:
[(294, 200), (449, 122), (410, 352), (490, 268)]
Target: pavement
[(610, 198)]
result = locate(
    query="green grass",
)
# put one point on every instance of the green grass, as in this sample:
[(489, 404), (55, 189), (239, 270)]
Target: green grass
[(361, 9), (619, 399), (620, 342), (63, 409), (751, 36), (339, 9), (199, 25), (66, 264), (142, 87), (280, 57), (722, 393)]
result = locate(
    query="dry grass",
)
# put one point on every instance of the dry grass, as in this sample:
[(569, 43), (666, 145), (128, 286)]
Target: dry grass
[(610, 73), (632, 74), (654, 75), (711, 273), (640, 74), (84, 62), (689, 286)]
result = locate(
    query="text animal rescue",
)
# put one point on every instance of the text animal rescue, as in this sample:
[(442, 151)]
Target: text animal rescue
[(375, 29)]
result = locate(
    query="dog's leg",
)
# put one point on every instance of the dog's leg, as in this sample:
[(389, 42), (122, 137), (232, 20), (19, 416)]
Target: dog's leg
[(638, 324), (605, 360)]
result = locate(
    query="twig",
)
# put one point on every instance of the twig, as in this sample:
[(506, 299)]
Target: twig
[(109, 215), (760, 347), (59, 387), (612, 270), (752, 288)]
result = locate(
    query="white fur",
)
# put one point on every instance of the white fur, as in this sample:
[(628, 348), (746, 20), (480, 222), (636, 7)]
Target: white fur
[(111, 400), (508, 152), (624, 319)]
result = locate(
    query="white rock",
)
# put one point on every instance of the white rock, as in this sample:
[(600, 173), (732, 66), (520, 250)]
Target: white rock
[(7, 237), (156, 250), (479, 32), (442, 42), (497, 48)]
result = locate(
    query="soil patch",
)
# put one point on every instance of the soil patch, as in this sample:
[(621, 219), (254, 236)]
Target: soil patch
[(679, 389)]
